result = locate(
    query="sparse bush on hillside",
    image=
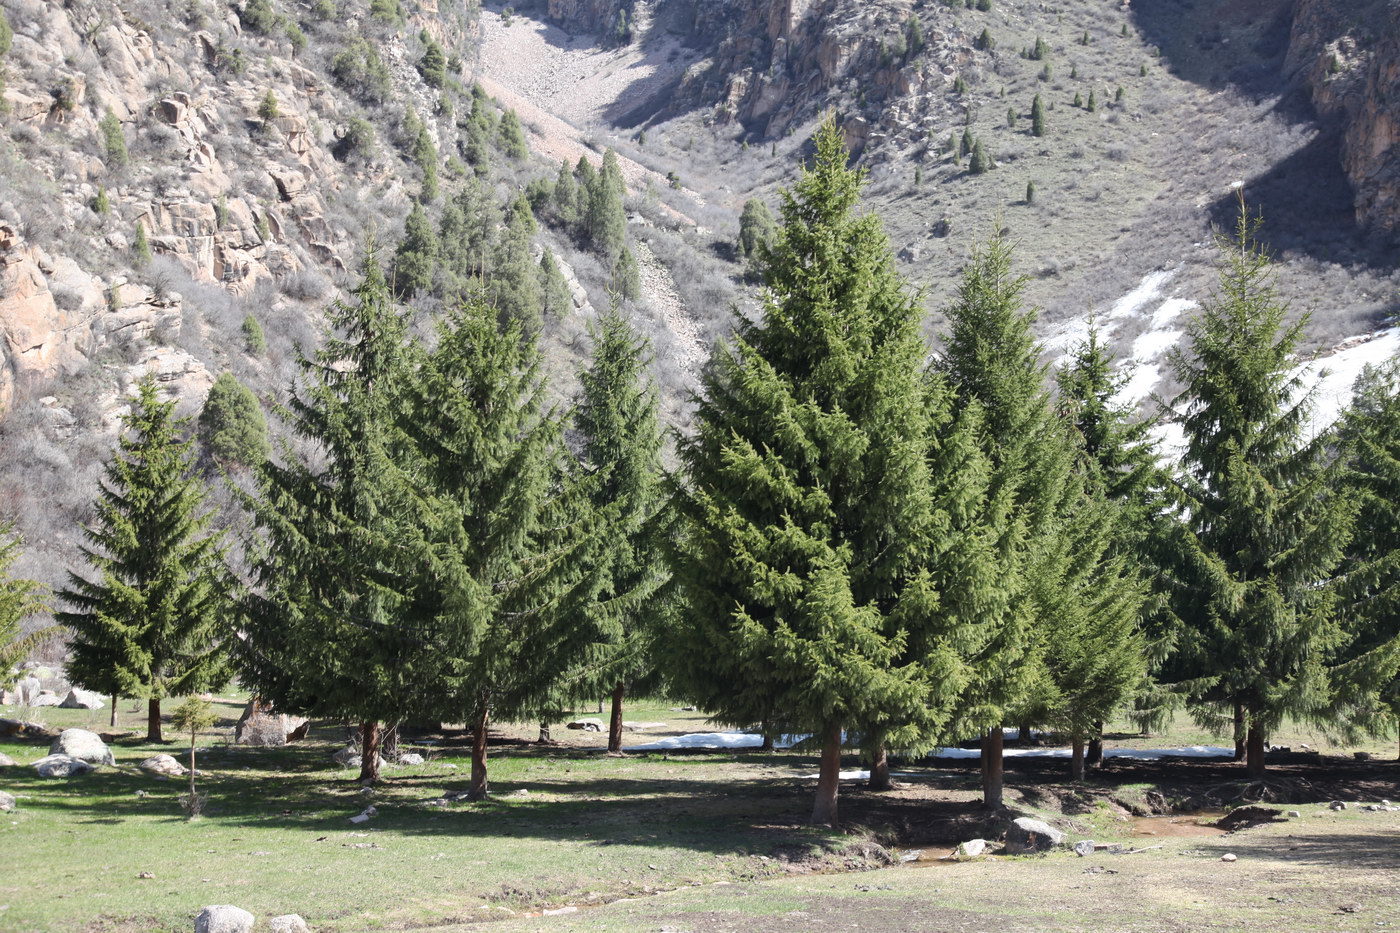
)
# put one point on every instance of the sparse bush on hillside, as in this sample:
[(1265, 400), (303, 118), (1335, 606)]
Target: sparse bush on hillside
[(141, 247), (359, 69), (254, 341), (260, 17), (268, 109), (387, 11), (1037, 117), (358, 142), (513, 137), (433, 65)]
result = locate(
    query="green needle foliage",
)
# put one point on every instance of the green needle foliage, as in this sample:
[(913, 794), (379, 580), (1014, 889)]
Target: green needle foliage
[(805, 511), (18, 598), (1368, 685), (232, 428), (152, 619), (193, 716), (415, 260), (1264, 531), (619, 470), (503, 567), (1037, 117), (335, 626)]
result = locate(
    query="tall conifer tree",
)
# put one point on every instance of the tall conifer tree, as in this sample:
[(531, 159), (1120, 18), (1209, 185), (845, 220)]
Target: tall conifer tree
[(805, 508), (336, 625), (1264, 530), (620, 463), (150, 619)]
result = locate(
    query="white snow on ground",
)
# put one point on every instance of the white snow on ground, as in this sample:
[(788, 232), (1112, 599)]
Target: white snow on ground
[(1143, 754), (1339, 370), (865, 775), (714, 740)]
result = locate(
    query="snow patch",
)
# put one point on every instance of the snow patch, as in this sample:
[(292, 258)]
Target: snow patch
[(1337, 372), (1142, 754), (714, 740)]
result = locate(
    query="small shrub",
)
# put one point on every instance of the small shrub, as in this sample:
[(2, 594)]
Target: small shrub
[(113, 141), (101, 204), (141, 248), (254, 341), (1030, 192), (260, 17), (268, 109)]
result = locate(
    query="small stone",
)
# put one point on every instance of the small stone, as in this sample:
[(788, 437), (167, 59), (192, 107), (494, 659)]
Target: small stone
[(359, 818), (409, 759), (1294, 814), (6, 761), (223, 918), (1362, 756), (973, 848), (1337, 805), (1229, 857), (1084, 847), (7, 802), (288, 923), (146, 876)]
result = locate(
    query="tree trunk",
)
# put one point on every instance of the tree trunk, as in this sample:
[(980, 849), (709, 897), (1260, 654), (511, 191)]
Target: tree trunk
[(1239, 731), (480, 788), (1023, 735), (545, 738), (1254, 760), (153, 733), (1095, 755), (370, 737), (767, 745), (113, 721), (615, 721), (192, 806), (992, 745), (880, 768), (829, 778), (1076, 768), (600, 707)]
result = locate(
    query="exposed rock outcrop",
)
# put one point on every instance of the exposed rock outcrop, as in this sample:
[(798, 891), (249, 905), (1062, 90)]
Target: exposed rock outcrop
[(1349, 58)]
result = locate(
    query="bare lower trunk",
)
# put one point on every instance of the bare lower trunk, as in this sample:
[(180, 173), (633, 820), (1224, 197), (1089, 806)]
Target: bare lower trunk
[(1239, 732), (767, 745), (1254, 751), (545, 738), (829, 778), (992, 745), (153, 733), (370, 738), (1094, 758), (615, 721), (113, 720), (192, 803), (600, 707), (1076, 768), (880, 768), (480, 786), (1023, 734)]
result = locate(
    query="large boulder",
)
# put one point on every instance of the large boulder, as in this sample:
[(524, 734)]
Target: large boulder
[(350, 757), (162, 766), (6, 761), (28, 688), (7, 802), (1026, 835), (82, 745), (223, 918), (61, 766), (588, 725), (46, 698), (82, 699)]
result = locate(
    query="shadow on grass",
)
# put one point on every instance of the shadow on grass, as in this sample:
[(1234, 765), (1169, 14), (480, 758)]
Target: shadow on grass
[(1376, 852)]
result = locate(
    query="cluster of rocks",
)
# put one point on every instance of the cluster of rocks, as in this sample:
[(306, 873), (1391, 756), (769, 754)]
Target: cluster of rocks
[(73, 753), (225, 918)]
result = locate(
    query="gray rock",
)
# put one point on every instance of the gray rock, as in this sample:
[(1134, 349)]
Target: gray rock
[(411, 758), (223, 918), (1337, 805), (1026, 835), (1294, 814), (973, 848), (162, 766), (46, 698), (61, 766), (7, 801), (83, 745), (6, 761), (1361, 756), (1084, 847), (288, 923), (587, 725), (81, 699), (28, 688)]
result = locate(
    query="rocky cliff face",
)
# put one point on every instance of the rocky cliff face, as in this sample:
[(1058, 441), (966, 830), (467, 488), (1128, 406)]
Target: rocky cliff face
[(1348, 54)]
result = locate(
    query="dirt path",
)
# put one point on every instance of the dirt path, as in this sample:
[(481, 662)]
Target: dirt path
[(660, 290)]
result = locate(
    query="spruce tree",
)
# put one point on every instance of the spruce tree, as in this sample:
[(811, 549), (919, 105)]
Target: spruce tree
[(502, 566), (626, 277), (19, 598), (1263, 529), (336, 625), (620, 466), (150, 618), (232, 429), (605, 220), (513, 137), (1037, 117), (757, 229), (1368, 685), (991, 358), (515, 279), (804, 512), (416, 258), (556, 300)]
